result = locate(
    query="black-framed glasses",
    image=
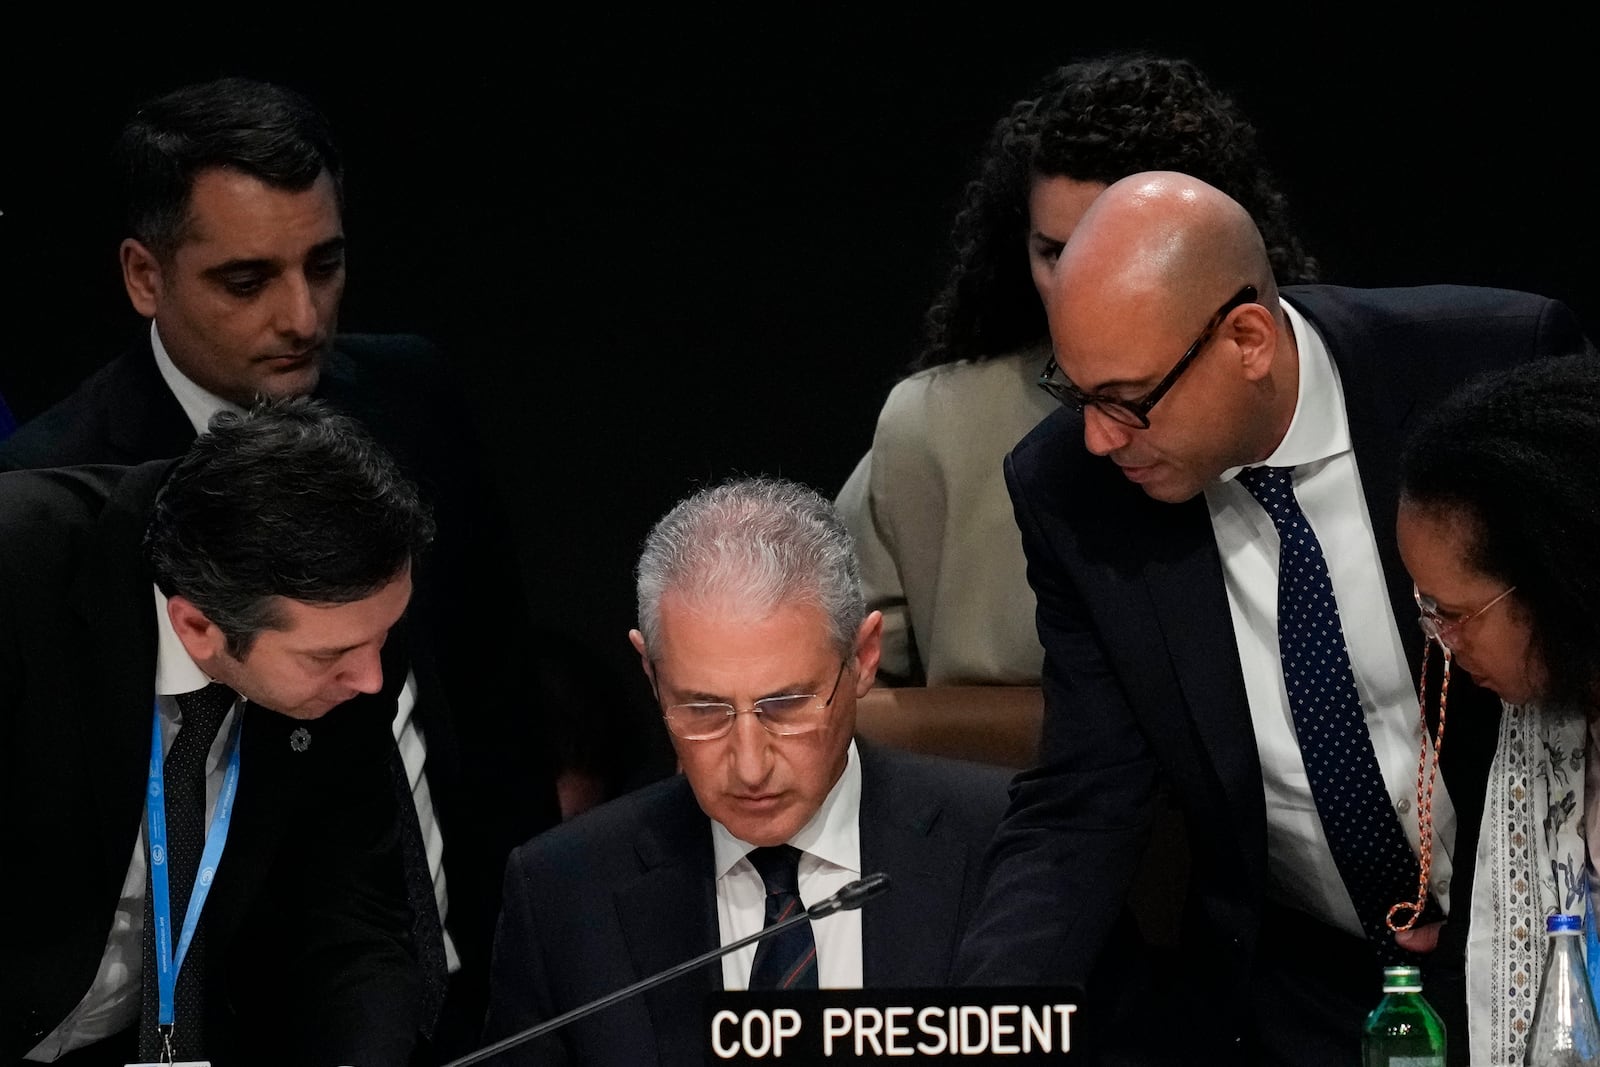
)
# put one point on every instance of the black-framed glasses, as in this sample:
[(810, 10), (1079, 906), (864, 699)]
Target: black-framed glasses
[(1438, 626), (781, 716), (1136, 413)]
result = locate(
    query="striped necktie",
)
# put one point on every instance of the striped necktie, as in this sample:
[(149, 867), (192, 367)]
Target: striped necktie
[(787, 960)]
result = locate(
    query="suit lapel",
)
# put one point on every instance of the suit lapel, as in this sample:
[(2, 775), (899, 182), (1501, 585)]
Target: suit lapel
[(668, 916), (147, 419), (1378, 410), (907, 939), (112, 597), (1179, 612), (1189, 597)]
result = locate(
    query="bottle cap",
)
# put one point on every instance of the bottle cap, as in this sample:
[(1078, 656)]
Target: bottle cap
[(1563, 924), (1402, 979)]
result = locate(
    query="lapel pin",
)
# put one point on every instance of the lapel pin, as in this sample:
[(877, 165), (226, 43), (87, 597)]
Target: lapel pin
[(300, 739)]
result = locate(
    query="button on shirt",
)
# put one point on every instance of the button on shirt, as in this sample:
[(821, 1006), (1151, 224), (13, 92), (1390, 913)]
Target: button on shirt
[(1301, 870), (830, 859)]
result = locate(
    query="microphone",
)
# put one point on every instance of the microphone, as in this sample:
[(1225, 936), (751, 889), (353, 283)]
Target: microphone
[(849, 898)]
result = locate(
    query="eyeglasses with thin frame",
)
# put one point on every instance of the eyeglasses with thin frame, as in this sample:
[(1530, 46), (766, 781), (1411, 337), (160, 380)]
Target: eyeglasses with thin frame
[(1437, 626), (1136, 413), (781, 716)]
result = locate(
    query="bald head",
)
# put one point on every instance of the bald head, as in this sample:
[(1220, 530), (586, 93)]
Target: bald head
[(1154, 269), (1165, 234)]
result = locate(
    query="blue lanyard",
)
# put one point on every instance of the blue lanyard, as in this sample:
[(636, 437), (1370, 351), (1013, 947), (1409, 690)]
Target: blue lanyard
[(169, 962)]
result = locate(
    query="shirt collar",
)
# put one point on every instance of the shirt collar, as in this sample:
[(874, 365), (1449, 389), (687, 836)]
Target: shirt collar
[(176, 672), (1318, 430), (197, 404), (832, 834)]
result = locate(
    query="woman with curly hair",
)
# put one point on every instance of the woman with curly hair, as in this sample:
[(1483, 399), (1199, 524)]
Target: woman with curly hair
[(1499, 518), (941, 556)]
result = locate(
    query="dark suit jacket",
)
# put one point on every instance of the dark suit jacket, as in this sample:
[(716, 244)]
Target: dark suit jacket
[(489, 763), (627, 890), (306, 923), (1143, 685)]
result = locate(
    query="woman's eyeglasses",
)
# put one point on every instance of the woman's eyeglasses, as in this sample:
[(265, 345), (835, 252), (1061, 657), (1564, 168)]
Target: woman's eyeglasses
[(1439, 626)]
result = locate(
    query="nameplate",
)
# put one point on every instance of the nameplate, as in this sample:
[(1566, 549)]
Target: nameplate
[(1020, 1025)]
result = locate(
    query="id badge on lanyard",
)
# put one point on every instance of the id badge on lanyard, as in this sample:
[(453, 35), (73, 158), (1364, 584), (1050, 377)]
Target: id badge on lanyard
[(169, 958)]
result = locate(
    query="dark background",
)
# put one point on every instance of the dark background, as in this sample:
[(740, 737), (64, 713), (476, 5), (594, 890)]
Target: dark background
[(662, 253)]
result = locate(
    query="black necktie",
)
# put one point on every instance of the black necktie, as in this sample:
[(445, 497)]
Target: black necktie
[(1369, 845), (787, 960), (184, 772), (425, 929)]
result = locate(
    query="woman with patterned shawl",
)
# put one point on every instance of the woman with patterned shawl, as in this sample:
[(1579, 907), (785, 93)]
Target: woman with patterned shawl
[(1499, 526)]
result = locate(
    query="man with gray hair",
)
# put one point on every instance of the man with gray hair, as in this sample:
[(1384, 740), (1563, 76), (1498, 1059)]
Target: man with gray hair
[(756, 639)]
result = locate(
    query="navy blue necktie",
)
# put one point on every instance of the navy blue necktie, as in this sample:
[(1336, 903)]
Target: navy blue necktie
[(1369, 845), (787, 960)]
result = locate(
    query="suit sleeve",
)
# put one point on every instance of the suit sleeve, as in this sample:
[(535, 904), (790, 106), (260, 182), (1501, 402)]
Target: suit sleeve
[(519, 986), (1064, 856), (334, 978)]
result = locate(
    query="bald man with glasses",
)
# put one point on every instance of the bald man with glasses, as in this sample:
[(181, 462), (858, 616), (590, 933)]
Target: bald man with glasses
[(1224, 614)]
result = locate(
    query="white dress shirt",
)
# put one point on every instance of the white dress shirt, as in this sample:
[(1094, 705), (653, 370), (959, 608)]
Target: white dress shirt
[(112, 1001), (830, 859), (198, 404), (1301, 869)]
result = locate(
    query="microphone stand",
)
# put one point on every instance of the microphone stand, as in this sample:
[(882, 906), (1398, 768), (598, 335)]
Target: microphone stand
[(850, 897)]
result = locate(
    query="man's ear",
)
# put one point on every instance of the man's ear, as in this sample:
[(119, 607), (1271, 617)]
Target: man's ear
[(141, 276), (201, 637), (1253, 329), (637, 639), (869, 649)]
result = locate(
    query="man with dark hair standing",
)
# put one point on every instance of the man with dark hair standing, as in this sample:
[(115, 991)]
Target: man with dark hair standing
[(236, 254), (199, 676)]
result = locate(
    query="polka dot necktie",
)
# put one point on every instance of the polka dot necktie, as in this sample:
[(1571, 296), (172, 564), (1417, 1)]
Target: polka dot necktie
[(184, 772), (786, 960), (1369, 845)]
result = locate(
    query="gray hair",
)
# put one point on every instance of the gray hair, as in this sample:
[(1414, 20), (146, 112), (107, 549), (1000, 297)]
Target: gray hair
[(760, 541)]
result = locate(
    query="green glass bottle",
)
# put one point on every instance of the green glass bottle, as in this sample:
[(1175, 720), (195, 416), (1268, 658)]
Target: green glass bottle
[(1403, 1030)]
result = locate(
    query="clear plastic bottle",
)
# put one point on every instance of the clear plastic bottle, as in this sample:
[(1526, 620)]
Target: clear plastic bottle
[(1403, 1030), (1565, 1028)]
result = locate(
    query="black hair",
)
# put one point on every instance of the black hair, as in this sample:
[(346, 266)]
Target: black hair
[(1517, 455), (1096, 120), (291, 500), (267, 131)]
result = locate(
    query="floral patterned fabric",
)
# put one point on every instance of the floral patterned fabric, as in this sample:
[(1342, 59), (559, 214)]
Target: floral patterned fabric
[(1530, 865)]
